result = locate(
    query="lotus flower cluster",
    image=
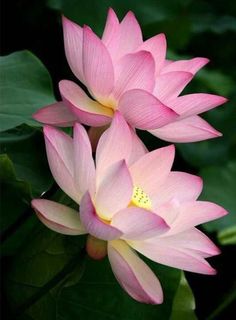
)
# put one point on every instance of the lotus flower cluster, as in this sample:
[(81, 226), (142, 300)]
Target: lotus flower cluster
[(130, 199), (123, 72)]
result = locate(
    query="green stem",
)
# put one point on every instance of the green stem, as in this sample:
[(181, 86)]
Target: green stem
[(68, 268)]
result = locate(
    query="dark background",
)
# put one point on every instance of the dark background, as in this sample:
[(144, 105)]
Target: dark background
[(193, 28)]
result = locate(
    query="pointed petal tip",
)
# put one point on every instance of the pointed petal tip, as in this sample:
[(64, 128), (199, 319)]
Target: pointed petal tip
[(208, 270), (212, 272), (55, 114), (87, 29), (36, 116), (224, 212), (199, 180), (111, 14), (130, 14), (65, 19), (217, 251), (203, 60), (171, 147), (162, 35), (78, 126), (136, 278), (211, 248), (47, 130), (112, 11), (66, 22), (78, 131), (216, 134), (221, 212), (223, 100)]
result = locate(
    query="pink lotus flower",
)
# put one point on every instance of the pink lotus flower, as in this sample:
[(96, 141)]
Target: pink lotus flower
[(123, 72), (131, 201)]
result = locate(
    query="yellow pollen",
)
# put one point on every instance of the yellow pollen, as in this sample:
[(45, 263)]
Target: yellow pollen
[(140, 199)]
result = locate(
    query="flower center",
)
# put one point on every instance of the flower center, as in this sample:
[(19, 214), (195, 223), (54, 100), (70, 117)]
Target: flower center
[(109, 103), (140, 199)]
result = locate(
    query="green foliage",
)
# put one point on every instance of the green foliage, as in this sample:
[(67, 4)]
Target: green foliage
[(219, 187), (25, 147), (93, 13), (39, 273), (24, 174), (84, 300), (153, 15), (12, 188), (25, 86), (52, 279), (228, 235), (184, 303)]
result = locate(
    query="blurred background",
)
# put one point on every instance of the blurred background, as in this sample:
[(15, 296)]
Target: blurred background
[(40, 280)]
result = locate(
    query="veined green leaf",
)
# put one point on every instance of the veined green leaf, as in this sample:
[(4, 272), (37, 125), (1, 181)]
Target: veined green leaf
[(25, 86)]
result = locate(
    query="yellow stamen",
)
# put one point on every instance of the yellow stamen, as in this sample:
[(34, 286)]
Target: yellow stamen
[(140, 199)]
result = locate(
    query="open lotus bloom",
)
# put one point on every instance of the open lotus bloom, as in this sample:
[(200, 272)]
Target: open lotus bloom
[(130, 201), (123, 72)]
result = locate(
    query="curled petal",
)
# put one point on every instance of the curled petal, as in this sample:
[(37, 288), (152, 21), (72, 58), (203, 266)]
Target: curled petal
[(58, 217), (144, 111), (88, 111), (56, 114), (138, 223), (157, 47), (93, 224), (114, 191), (190, 129), (133, 274)]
